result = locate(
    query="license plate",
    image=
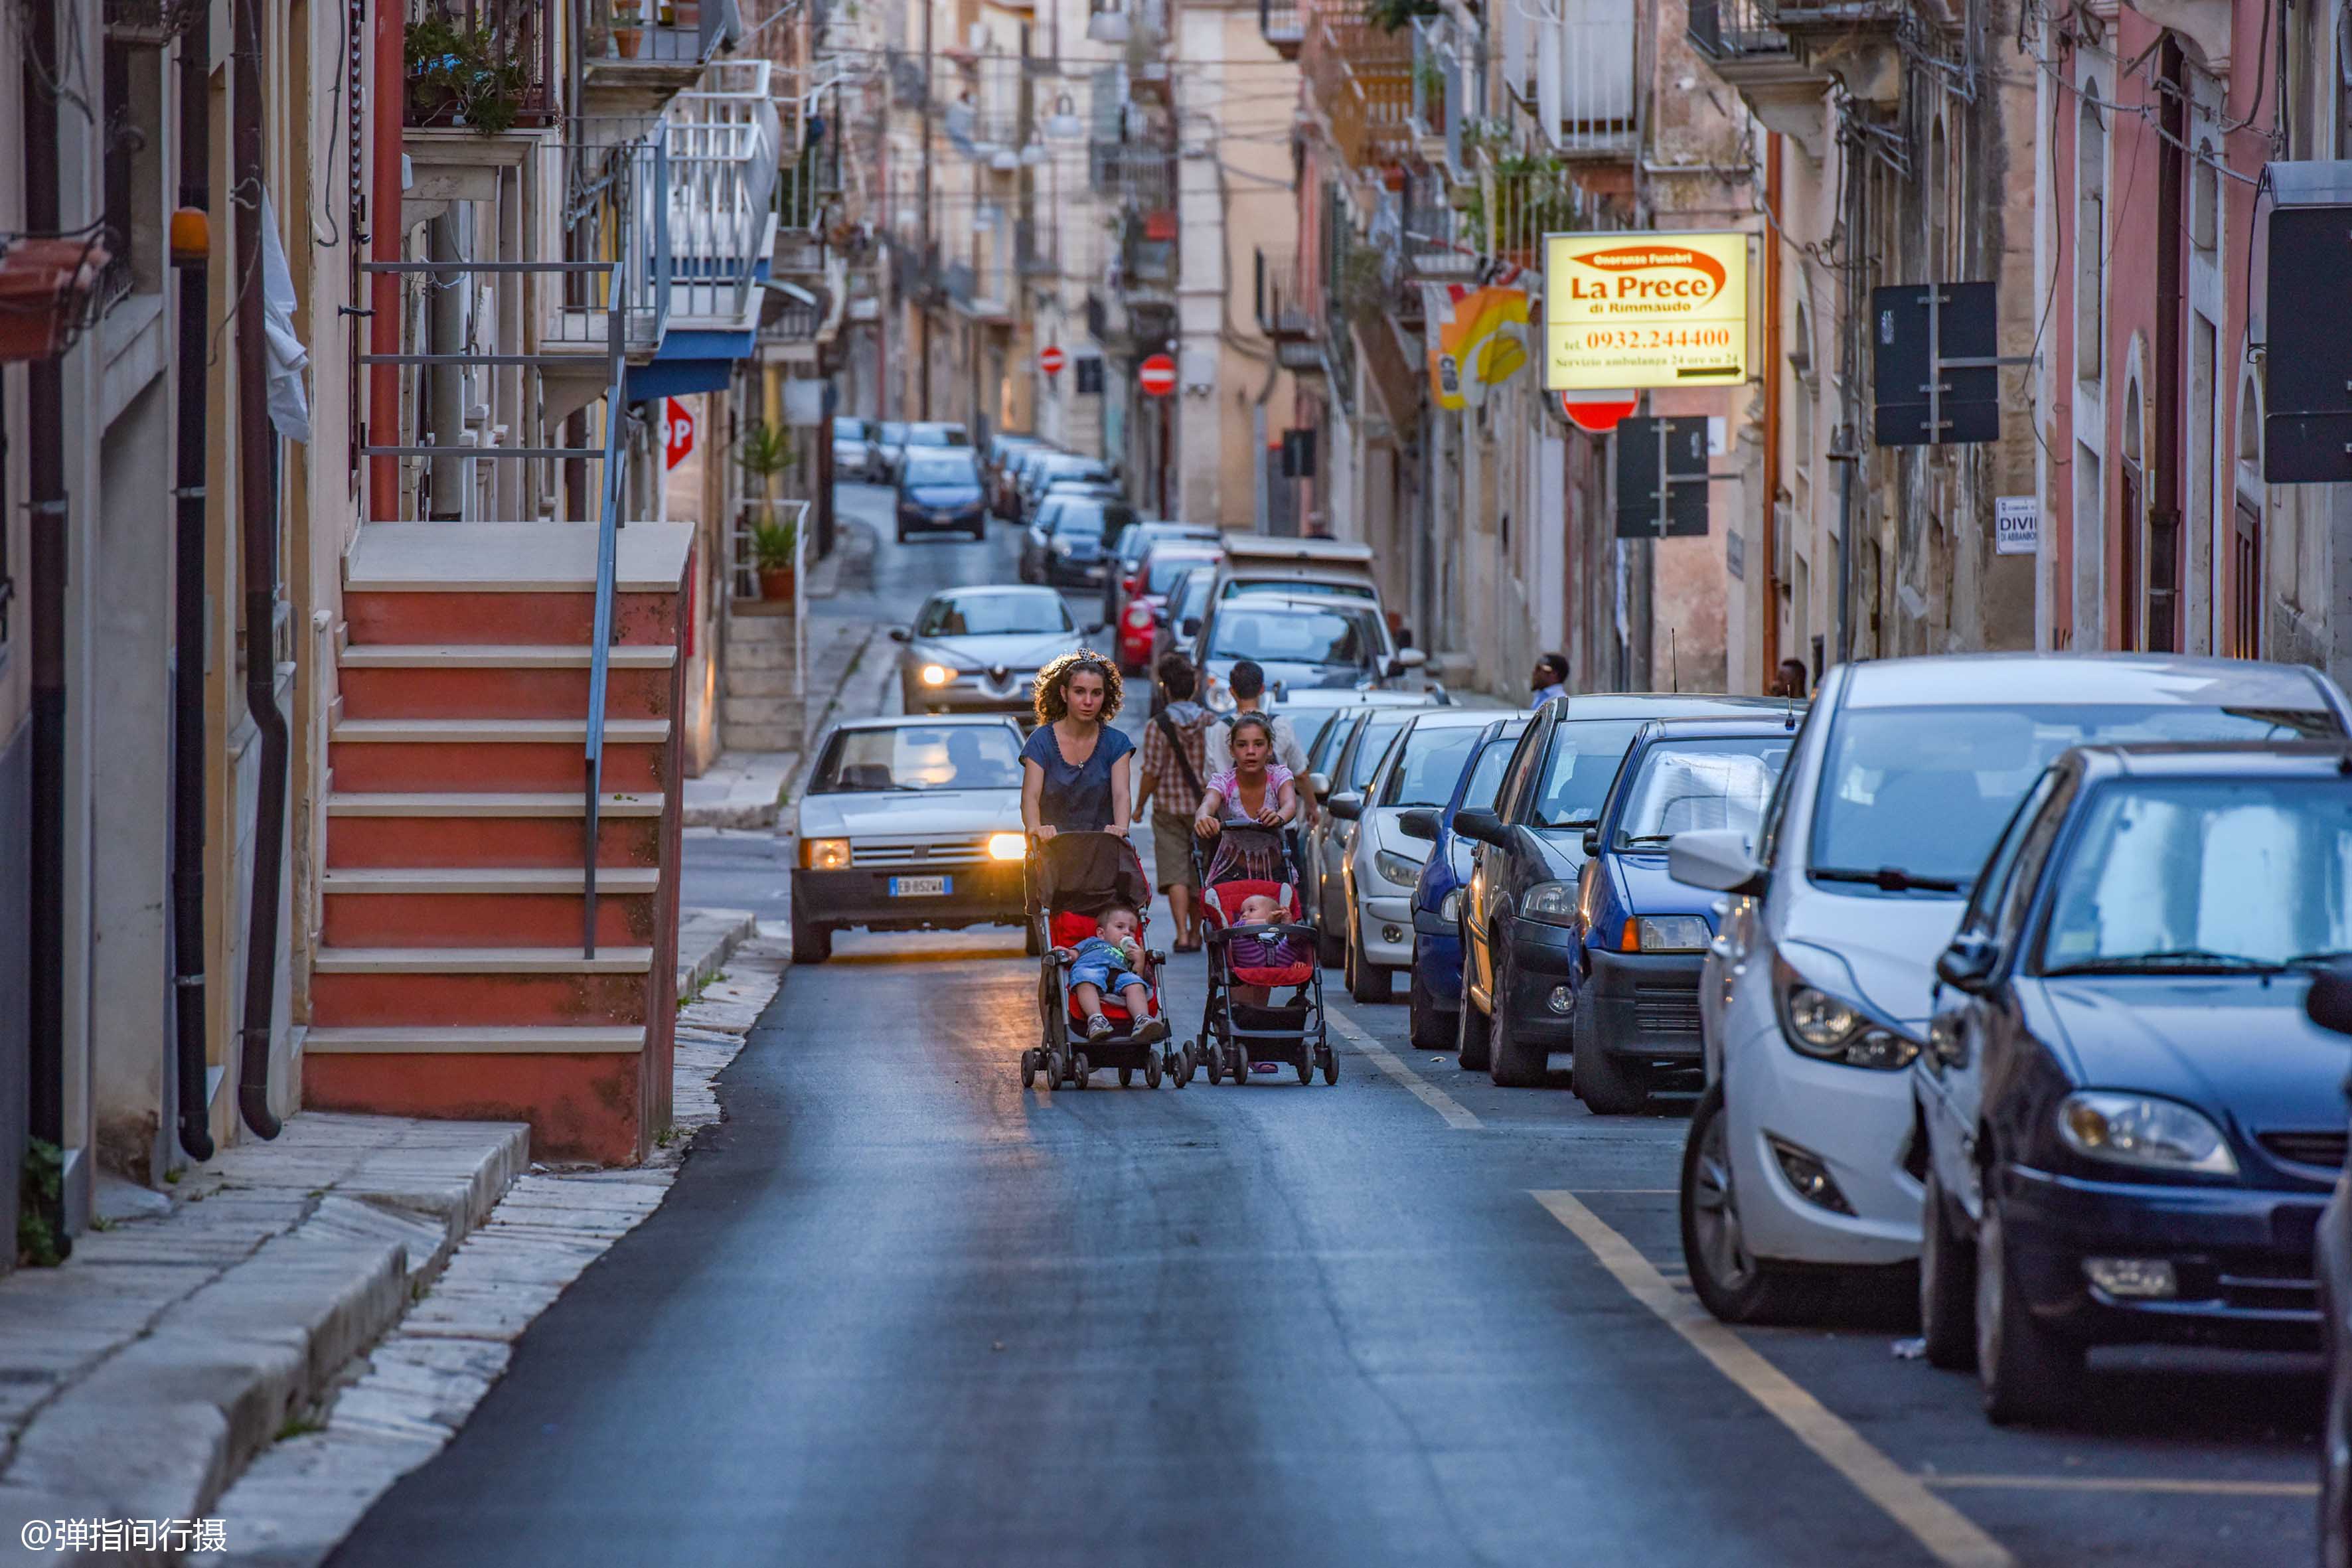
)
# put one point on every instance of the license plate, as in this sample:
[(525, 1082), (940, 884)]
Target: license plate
[(922, 887), (1093, 574), (942, 517)]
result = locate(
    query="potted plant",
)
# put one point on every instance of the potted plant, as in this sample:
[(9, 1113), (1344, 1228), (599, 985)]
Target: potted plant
[(764, 451), (464, 76), (772, 547), (45, 289), (628, 26), (686, 13)]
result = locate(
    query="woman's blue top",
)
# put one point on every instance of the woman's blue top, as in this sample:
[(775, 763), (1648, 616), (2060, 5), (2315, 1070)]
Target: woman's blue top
[(1076, 799)]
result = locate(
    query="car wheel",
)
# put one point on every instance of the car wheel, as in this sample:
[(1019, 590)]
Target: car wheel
[(1947, 1286), (812, 942), (1606, 1085), (1367, 981), (1425, 1027), (2335, 1443), (902, 535), (1730, 1283), (2028, 1373), (1473, 1033), (979, 530), (1511, 1062)]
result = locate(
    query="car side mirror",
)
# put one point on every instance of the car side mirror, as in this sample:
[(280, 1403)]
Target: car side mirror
[(1409, 658), (2328, 1002), (1348, 805), (1321, 784), (1481, 824), (1718, 858), (1419, 823), (1097, 628), (1969, 963), (1591, 841), (900, 634), (1191, 626)]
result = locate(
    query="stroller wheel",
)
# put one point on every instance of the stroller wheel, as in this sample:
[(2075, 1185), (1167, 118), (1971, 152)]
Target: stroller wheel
[(1180, 1066), (1330, 1064), (1127, 1077), (1150, 1071), (1057, 1070), (1080, 1067), (1238, 1065), (1028, 1067), (1216, 1066), (1306, 1069)]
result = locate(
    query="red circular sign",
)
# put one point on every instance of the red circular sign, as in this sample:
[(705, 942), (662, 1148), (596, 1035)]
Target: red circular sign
[(1051, 360), (1157, 376), (1598, 412)]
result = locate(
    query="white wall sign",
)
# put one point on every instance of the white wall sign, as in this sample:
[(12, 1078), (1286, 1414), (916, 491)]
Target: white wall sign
[(2016, 525)]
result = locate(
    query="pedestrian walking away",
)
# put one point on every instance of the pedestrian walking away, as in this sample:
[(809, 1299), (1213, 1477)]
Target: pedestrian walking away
[(1175, 763)]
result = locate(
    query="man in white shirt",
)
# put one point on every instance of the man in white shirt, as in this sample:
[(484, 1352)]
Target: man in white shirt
[(1247, 683)]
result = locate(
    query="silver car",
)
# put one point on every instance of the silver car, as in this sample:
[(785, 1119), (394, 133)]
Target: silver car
[(978, 650), (1381, 865)]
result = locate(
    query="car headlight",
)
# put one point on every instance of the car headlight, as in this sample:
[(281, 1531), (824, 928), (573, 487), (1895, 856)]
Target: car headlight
[(824, 854), (1007, 847), (937, 675), (1450, 908), (1552, 902), (1396, 868), (1670, 934), (1062, 547), (1219, 700), (2141, 1129), (1821, 1026)]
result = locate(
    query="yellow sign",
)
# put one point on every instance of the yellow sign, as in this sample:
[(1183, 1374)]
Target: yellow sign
[(1645, 309)]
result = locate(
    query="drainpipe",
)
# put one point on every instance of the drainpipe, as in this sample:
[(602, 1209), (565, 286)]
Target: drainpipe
[(257, 509), (188, 621), (1767, 527), (385, 228), (46, 605)]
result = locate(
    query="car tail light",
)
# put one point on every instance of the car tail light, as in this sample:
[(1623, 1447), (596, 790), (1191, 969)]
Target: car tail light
[(1134, 585), (1138, 614)]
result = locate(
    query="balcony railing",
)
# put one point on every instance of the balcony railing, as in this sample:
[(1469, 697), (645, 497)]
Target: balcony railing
[(1437, 245), (722, 175), (635, 34), (1281, 25), (486, 64), (1733, 29), (1362, 79), (610, 173), (1799, 14)]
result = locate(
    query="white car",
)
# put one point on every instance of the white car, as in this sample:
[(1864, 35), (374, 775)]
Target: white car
[(1382, 866), (910, 823), (1802, 1152)]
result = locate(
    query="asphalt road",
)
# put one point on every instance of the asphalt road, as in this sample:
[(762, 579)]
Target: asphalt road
[(900, 1311)]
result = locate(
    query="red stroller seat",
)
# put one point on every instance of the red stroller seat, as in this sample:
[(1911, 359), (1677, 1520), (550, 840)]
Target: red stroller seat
[(1223, 905), (1067, 928)]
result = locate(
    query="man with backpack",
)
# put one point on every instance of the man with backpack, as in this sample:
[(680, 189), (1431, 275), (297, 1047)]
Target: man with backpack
[(1175, 761)]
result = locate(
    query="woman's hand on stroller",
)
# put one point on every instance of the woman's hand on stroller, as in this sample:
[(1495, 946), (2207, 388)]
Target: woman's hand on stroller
[(1207, 826), (1271, 817)]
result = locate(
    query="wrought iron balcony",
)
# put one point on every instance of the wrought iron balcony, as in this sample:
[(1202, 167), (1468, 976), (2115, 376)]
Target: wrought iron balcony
[(1734, 30), (486, 64), (1361, 76)]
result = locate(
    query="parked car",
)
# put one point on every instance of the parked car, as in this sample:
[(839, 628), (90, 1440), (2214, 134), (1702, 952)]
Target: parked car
[(1365, 731), (938, 490), (1053, 466), (1642, 936), (1187, 595), (889, 445), (1800, 1157), (908, 824), (1519, 944), (855, 455), (1383, 863), (1433, 995), (2131, 1124), (999, 470), (1301, 567), (1301, 643), (1065, 545), (1138, 622), (1127, 552), (2328, 1003), (978, 649), (936, 433)]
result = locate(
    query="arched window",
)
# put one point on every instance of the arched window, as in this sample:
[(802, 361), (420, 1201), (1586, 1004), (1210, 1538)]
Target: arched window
[(2204, 199), (2090, 236), (2130, 526), (2247, 589), (1804, 391)]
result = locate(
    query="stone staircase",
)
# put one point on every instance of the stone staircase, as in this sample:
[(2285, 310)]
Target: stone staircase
[(450, 979)]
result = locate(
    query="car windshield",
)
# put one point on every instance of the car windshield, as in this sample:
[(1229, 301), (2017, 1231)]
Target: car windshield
[(893, 433), (1298, 636), (1282, 584), (1167, 569), (1585, 755), (1379, 731), (2205, 874), (943, 468), (1487, 776), (1067, 467), (1430, 765), (1084, 516), (921, 757), (1691, 786), (936, 435), (993, 614), (849, 429), (1922, 793)]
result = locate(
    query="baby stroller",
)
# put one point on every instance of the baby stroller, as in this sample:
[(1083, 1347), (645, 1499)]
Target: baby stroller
[(1074, 877), (1237, 1037)]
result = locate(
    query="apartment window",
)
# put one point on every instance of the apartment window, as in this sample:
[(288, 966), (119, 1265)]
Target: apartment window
[(2090, 234), (2247, 588), (1804, 391)]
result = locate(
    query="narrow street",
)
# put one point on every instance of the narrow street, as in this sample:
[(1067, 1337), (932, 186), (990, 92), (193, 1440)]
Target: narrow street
[(898, 1309)]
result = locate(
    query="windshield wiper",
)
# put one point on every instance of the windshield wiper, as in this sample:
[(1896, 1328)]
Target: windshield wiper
[(2168, 958), (1888, 879), (1644, 839), (2316, 960)]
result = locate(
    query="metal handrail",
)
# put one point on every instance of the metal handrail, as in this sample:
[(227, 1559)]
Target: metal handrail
[(600, 649)]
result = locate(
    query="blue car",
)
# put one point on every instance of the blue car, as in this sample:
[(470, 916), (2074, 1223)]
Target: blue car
[(939, 490), (1435, 1000), (1642, 936)]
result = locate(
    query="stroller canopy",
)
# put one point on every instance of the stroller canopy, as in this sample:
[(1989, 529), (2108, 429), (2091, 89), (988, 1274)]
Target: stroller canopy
[(1248, 852), (1086, 873)]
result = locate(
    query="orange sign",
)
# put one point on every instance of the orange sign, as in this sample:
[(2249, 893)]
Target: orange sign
[(1645, 309)]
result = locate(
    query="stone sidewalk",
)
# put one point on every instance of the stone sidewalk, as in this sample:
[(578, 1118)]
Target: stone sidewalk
[(305, 1320)]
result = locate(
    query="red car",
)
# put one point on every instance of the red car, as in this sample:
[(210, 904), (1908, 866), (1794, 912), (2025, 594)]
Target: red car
[(1139, 623)]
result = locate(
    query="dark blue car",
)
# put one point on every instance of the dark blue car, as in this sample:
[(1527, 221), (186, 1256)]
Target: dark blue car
[(1435, 999), (1643, 936), (939, 492), (2130, 1123)]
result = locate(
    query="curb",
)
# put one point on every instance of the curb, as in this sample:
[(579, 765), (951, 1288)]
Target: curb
[(718, 933)]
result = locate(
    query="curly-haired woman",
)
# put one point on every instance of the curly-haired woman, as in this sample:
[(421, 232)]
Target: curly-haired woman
[(1074, 770)]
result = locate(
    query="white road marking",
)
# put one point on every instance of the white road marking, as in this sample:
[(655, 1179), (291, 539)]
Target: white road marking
[(1947, 1534), (2126, 1484), (1456, 1114)]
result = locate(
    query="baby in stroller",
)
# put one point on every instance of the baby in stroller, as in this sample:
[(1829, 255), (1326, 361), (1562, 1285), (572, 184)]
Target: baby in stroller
[(1105, 965), (1097, 988), (1259, 943)]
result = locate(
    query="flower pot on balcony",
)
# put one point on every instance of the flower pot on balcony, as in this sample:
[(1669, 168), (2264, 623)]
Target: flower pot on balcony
[(687, 13), (628, 40), (44, 285), (777, 585)]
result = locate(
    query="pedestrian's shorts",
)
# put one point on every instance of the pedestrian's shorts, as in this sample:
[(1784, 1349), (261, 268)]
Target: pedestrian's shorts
[(1103, 971), (1172, 850)]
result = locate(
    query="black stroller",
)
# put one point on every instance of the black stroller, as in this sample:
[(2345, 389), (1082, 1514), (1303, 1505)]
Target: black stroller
[(1073, 877), (1237, 1037)]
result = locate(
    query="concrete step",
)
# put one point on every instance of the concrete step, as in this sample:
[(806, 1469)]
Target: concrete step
[(389, 681), (480, 987), (476, 960), (463, 1040), (438, 907), (504, 756), (457, 828), (582, 1087)]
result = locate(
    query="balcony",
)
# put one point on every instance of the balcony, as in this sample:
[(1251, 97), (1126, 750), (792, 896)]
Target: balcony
[(1362, 79), (1438, 248), (1285, 318), (487, 66), (1282, 25), (633, 63), (1441, 90), (1147, 256)]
